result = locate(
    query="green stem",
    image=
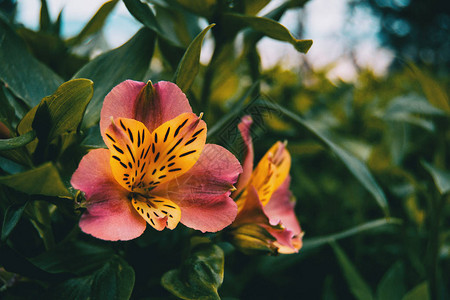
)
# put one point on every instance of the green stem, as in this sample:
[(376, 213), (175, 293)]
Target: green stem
[(436, 206), (43, 224)]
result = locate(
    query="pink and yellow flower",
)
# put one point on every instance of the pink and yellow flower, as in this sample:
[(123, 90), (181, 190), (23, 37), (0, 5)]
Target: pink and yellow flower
[(264, 196), (157, 168)]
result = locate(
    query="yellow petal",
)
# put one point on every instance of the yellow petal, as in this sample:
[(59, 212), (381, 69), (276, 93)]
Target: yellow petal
[(176, 147), (271, 171), (157, 211), (129, 142)]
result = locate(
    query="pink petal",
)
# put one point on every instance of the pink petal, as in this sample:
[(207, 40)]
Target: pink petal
[(280, 208), (120, 102), (203, 192), (166, 103), (244, 128), (109, 215)]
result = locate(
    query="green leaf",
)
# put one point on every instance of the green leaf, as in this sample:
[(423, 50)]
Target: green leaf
[(12, 216), (66, 257), (358, 286), (17, 142), (115, 280), (271, 29), (441, 177), (43, 180), (204, 8), (199, 276), (63, 111), (319, 241), (435, 94), (190, 63), (142, 13), (420, 292), (95, 24), (35, 80), (354, 165), (44, 18), (130, 61), (392, 285)]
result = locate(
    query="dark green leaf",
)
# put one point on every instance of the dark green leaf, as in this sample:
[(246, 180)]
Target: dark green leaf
[(200, 275), (420, 292), (355, 166), (34, 80), (63, 111), (142, 13), (67, 257), (358, 286), (95, 24), (44, 19), (115, 280), (271, 29), (16, 142), (190, 63), (392, 285), (204, 8), (12, 216), (43, 180), (441, 177), (130, 61)]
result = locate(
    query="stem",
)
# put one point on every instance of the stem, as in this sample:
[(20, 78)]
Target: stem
[(42, 224), (436, 206)]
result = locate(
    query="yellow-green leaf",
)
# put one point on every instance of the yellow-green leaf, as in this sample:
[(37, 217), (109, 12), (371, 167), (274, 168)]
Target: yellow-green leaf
[(43, 180)]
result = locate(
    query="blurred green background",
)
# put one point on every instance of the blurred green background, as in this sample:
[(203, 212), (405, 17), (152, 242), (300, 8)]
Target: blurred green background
[(365, 112)]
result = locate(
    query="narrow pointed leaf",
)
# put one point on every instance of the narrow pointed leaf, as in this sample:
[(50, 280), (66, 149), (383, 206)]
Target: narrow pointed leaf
[(354, 165), (359, 288), (435, 94), (272, 29), (44, 19), (43, 180), (12, 216), (17, 142), (371, 225), (95, 24), (34, 80), (190, 63), (130, 61), (441, 177)]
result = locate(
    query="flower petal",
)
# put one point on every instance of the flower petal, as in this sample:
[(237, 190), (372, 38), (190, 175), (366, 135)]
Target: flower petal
[(158, 212), (247, 166), (129, 143), (147, 103), (120, 103), (271, 171), (253, 212), (203, 192), (109, 214), (281, 209), (177, 145)]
